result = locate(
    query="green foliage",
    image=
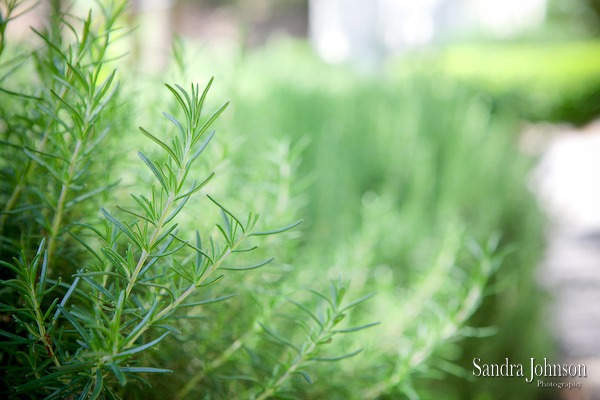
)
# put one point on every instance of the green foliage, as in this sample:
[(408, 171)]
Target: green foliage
[(128, 293), (53, 131), (545, 81), (400, 164), (409, 187)]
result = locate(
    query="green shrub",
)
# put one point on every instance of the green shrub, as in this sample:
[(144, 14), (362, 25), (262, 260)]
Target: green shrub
[(410, 188), (400, 165), (555, 82), (84, 333)]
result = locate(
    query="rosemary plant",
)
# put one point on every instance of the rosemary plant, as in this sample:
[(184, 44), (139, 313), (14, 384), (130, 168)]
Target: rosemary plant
[(133, 295), (54, 122), (88, 334), (322, 331), (105, 302), (59, 127)]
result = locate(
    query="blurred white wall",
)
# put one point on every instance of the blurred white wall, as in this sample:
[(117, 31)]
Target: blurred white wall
[(154, 33), (507, 17), (364, 31)]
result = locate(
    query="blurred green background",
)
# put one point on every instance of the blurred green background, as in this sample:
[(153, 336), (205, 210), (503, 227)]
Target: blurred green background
[(389, 162)]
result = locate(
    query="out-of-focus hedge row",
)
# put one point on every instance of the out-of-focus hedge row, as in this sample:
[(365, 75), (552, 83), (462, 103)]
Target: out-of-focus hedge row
[(558, 82)]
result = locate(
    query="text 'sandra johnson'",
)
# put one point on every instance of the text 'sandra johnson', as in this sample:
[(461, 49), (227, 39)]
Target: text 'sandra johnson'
[(544, 370)]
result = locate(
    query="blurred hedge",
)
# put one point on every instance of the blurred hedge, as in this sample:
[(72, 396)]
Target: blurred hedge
[(540, 81), (426, 152), (390, 164)]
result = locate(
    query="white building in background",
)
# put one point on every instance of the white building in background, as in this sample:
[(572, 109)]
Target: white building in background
[(366, 30)]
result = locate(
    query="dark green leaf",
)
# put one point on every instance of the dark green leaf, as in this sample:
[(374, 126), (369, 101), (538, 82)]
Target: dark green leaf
[(287, 228), (198, 134), (163, 236), (279, 338), (84, 244), (145, 370), (155, 170), (204, 93), (73, 321), (244, 250), (104, 88), (321, 295), (333, 359), (169, 328), (97, 385), (193, 247), (44, 154), (90, 194), (141, 324), (161, 251), (99, 287), (86, 390), (306, 310), (248, 268), (49, 309), (177, 210), (65, 369), (117, 261), (44, 164), (225, 235), (195, 188), (305, 376), (143, 347), (176, 122), (200, 149), (119, 374), (357, 302), (66, 390), (217, 279), (358, 328), (163, 145), (208, 301), (227, 211), (74, 112), (181, 102), (136, 215), (66, 298), (121, 226)]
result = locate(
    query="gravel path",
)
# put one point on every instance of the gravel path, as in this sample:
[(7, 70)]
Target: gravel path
[(567, 182)]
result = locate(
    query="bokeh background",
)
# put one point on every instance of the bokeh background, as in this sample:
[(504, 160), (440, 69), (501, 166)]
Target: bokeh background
[(410, 136)]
